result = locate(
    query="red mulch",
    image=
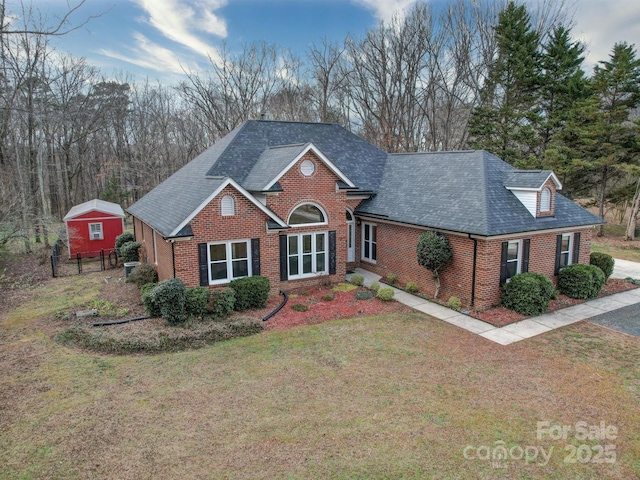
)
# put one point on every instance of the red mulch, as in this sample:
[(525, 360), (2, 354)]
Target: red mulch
[(500, 316), (343, 305)]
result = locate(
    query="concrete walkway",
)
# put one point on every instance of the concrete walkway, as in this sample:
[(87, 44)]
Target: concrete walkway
[(529, 327)]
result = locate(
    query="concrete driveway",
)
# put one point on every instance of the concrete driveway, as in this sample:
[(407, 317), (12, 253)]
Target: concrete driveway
[(625, 268)]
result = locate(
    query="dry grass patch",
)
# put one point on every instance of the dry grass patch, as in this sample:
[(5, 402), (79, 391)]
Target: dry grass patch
[(392, 396)]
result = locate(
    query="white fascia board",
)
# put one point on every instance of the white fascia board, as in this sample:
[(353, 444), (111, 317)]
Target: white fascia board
[(214, 194), (321, 156)]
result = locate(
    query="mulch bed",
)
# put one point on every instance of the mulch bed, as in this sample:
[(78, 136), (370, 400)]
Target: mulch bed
[(500, 316), (343, 305)]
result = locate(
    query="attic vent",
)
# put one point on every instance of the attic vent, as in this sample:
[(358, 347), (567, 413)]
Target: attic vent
[(307, 168), (227, 206)]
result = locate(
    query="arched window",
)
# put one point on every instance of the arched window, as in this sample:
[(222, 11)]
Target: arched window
[(228, 206), (545, 200), (306, 214)]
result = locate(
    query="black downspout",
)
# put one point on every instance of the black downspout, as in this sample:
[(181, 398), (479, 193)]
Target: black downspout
[(473, 274), (173, 258)]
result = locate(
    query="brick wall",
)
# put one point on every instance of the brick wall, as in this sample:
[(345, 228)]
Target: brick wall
[(397, 254)]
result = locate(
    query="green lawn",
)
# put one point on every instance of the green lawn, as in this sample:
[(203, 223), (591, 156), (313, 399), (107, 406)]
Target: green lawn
[(397, 396)]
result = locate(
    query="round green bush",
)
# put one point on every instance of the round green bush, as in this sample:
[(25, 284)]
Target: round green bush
[(129, 252), (528, 293), (123, 238), (222, 302), (604, 262), (454, 303), (385, 294), (149, 303), (411, 287), (251, 292), (197, 301), (357, 279), (170, 296), (581, 281), (143, 274), (375, 286)]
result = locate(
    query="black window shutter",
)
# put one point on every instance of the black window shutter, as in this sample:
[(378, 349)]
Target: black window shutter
[(576, 248), (202, 261), (283, 258), (332, 252), (526, 243), (503, 263), (558, 250), (255, 256)]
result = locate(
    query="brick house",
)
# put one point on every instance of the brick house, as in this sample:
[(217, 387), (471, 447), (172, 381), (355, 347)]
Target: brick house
[(300, 203)]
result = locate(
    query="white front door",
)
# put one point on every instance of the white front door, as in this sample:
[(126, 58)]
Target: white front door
[(351, 238)]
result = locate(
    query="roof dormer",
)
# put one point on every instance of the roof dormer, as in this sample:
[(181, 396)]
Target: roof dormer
[(536, 190)]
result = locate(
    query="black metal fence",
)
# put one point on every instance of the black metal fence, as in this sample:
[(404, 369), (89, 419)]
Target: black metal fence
[(82, 262)]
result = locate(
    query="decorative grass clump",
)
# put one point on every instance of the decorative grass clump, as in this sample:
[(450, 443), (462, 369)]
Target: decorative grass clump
[(454, 303), (327, 297), (363, 295), (357, 279), (411, 287), (385, 294), (344, 287), (375, 286), (299, 307), (392, 278)]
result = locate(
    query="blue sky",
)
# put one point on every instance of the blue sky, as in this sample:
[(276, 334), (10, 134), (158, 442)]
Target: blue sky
[(158, 38)]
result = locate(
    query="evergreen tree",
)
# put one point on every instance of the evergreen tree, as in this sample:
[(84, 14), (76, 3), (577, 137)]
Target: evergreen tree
[(563, 83), (504, 122), (599, 142)]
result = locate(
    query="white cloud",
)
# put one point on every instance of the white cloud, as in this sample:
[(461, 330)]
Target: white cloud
[(386, 9), (601, 25), (148, 55), (180, 22)]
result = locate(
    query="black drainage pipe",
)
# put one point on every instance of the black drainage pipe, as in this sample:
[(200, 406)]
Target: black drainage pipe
[(284, 302), (119, 322)]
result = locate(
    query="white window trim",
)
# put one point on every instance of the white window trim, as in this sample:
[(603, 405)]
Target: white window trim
[(369, 259), (324, 214), (155, 249), (91, 237), (313, 272), (518, 258), (229, 261), (570, 251)]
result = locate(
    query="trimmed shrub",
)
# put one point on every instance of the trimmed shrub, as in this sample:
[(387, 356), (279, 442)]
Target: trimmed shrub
[(385, 294), (299, 307), (581, 281), (143, 274), (375, 286), (604, 262), (357, 279), (392, 278), (123, 238), (363, 295), (150, 304), (411, 287), (454, 303), (528, 293), (129, 252), (222, 302), (251, 292), (196, 304), (170, 296)]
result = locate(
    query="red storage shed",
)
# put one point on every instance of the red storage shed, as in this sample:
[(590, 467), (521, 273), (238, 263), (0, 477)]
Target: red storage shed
[(93, 226)]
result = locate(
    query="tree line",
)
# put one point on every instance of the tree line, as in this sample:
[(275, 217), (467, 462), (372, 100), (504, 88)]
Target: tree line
[(468, 74)]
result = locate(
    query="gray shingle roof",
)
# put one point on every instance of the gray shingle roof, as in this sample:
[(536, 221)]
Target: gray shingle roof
[(360, 161), (269, 164), (461, 192), (456, 191), (526, 178)]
